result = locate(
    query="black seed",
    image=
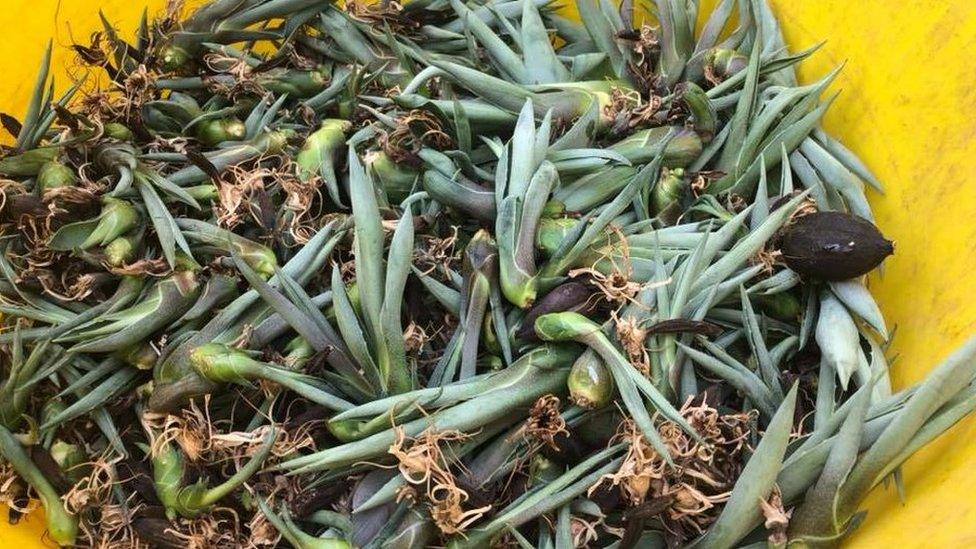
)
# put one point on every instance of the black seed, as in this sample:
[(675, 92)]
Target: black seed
[(569, 296), (833, 246)]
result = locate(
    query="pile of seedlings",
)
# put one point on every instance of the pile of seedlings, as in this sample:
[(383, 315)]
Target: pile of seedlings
[(445, 273)]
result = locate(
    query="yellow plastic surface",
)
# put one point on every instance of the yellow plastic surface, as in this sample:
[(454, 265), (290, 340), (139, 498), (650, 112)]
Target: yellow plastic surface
[(907, 107)]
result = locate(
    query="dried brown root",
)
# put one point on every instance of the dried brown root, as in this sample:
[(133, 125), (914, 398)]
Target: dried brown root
[(640, 467), (219, 528), (204, 441), (436, 336), (81, 194), (242, 444), (143, 267), (544, 423), (299, 198), (192, 430), (95, 488), (768, 259), (703, 475), (378, 13), (777, 518), (628, 109), (347, 270), (414, 338), (446, 503), (242, 74), (13, 489), (226, 64), (584, 532), (95, 54), (262, 532), (111, 527), (137, 89), (414, 129), (422, 463), (646, 47), (169, 144), (435, 253), (74, 287), (171, 17), (632, 336), (9, 187), (616, 288), (700, 180), (807, 207), (236, 192), (35, 261), (101, 106), (421, 458)]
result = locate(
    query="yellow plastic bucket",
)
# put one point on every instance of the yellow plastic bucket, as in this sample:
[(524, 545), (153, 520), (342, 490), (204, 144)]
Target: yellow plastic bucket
[(906, 107)]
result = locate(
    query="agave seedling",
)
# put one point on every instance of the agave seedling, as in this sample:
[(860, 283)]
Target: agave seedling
[(380, 289), (116, 218), (223, 364), (296, 536), (318, 155), (192, 500)]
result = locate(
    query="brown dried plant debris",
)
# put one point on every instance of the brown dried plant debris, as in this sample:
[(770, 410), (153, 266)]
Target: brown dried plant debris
[(415, 338), (136, 90), (231, 77), (544, 423), (220, 63), (143, 267), (203, 440), (771, 257), (171, 17), (628, 110), (437, 253), (422, 463), (414, 129), (245, 443), (645, 45), (777, 518), (221, 528), (432, 339), (13, 489), (768, 259), (384, 12), (111, 528), (128, 91), (701, 180), (584, 532), (243, 189), (807, 207), (74, 287), (192, 430), (300, 196), (235, 194), (36, 261), (262, 532), (168, 144), (96, 53), (95, 488), (616, 288), (632, 335), (703, 474)]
